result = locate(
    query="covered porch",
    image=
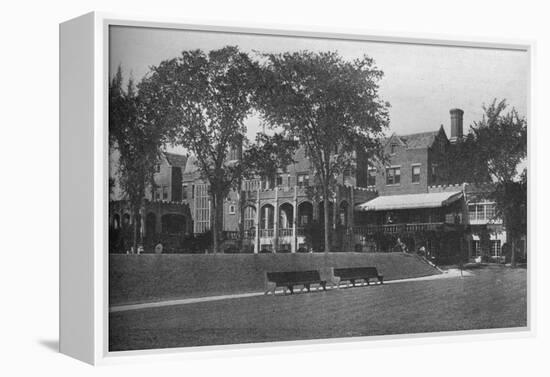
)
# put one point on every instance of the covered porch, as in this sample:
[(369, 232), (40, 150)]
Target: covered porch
[(432, 224)]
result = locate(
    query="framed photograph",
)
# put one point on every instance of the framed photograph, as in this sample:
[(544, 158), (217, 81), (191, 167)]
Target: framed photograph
[(226, 187)]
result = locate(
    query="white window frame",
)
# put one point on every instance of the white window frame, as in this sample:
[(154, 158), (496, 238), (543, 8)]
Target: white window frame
[(394, 167), (416, 165)]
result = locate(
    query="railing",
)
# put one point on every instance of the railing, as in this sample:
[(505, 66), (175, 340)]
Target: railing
[(266, 233), (285, 232), (397, 228), (230, 235), (300, 231)]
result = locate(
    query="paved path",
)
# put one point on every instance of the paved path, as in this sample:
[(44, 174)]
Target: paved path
[(452, 273)]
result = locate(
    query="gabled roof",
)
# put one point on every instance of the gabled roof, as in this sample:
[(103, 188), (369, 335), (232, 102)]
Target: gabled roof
[(419, 140), (176, 160), (191, 166)]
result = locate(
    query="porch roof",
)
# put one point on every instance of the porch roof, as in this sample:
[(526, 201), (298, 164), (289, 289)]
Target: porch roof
[(410, 201)]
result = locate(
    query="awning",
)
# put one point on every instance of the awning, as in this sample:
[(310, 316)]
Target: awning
[(411, 201)]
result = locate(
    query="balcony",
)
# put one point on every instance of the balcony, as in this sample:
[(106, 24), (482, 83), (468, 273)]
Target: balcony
[(398, 228)]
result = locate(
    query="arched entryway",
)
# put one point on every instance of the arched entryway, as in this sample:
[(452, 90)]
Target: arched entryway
[(116, 221), (267, 217), (286, 216)]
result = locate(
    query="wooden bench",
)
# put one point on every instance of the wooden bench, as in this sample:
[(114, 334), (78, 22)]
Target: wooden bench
[(352, 274), (289, 279)]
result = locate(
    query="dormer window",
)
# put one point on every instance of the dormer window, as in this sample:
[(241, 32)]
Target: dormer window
[(157, 168), (393, 148)]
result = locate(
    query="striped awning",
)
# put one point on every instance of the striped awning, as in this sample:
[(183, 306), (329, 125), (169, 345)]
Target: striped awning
[(410, 201)]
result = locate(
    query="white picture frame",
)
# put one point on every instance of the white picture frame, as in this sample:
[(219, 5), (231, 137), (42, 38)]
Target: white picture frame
[(84, 197)]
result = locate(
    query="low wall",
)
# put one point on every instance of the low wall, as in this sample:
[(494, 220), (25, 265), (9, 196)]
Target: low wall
[(149, 277)]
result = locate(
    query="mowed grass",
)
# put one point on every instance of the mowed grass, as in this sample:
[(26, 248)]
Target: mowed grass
[(493, 297), (145, 278)]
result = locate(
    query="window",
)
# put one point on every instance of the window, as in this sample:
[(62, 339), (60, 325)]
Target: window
[(158, 193), (279, 179), (489, 211), (164, 192), (202, 208), (371, 177), (476, 248), (481, 211), (346, 174), (303, 180), (393, 148), (495, 248), (416, 174), (232, 209), (268, 183), (249, 217), (434, 172), (183, 192), (393, 176), (157, 168)]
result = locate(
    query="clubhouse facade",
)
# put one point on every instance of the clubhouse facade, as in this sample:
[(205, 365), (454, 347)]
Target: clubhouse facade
[(410, 202)]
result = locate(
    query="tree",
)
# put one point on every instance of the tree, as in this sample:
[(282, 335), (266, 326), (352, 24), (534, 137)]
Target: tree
[(495, 148), (203, 100), (329, 105), (138, 143)]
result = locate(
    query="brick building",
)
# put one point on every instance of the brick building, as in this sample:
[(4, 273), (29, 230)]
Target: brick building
[(405, 200)]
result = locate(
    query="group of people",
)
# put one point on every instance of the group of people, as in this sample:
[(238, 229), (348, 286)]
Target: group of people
[(140, 250)]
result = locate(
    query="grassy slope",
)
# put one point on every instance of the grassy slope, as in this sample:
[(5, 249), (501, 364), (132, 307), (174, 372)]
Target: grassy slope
[(493, 297), (139, 278)]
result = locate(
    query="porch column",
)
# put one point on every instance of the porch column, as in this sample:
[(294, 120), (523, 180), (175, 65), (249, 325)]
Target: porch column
[(257, 222), (294, 217), (276, 221), (351, 225)]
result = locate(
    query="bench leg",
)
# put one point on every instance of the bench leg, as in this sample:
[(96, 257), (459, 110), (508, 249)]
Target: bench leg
[(308, 287), (352, 282), (367, 280), (291, 289), (324, 285), (381, 279)]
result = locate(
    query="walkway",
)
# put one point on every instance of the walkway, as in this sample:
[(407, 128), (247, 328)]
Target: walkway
[(451, 273)]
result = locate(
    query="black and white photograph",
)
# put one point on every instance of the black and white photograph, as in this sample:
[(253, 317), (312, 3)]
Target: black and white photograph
[(280, 188)]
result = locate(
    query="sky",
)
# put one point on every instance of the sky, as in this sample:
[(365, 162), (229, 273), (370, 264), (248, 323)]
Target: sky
[(421, 82)]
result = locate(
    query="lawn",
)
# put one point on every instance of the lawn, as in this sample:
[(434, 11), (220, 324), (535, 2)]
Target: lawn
[(149, 277), (493, 297)]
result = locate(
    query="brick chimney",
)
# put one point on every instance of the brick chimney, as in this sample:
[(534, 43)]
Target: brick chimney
[(456, 124)]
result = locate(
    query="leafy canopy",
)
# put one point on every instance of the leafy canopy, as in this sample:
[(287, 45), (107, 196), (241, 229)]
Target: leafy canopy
[(329, 104), (202, 99)]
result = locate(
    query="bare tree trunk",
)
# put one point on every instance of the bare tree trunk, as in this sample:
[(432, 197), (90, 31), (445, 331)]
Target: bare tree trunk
[(327, 217)]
